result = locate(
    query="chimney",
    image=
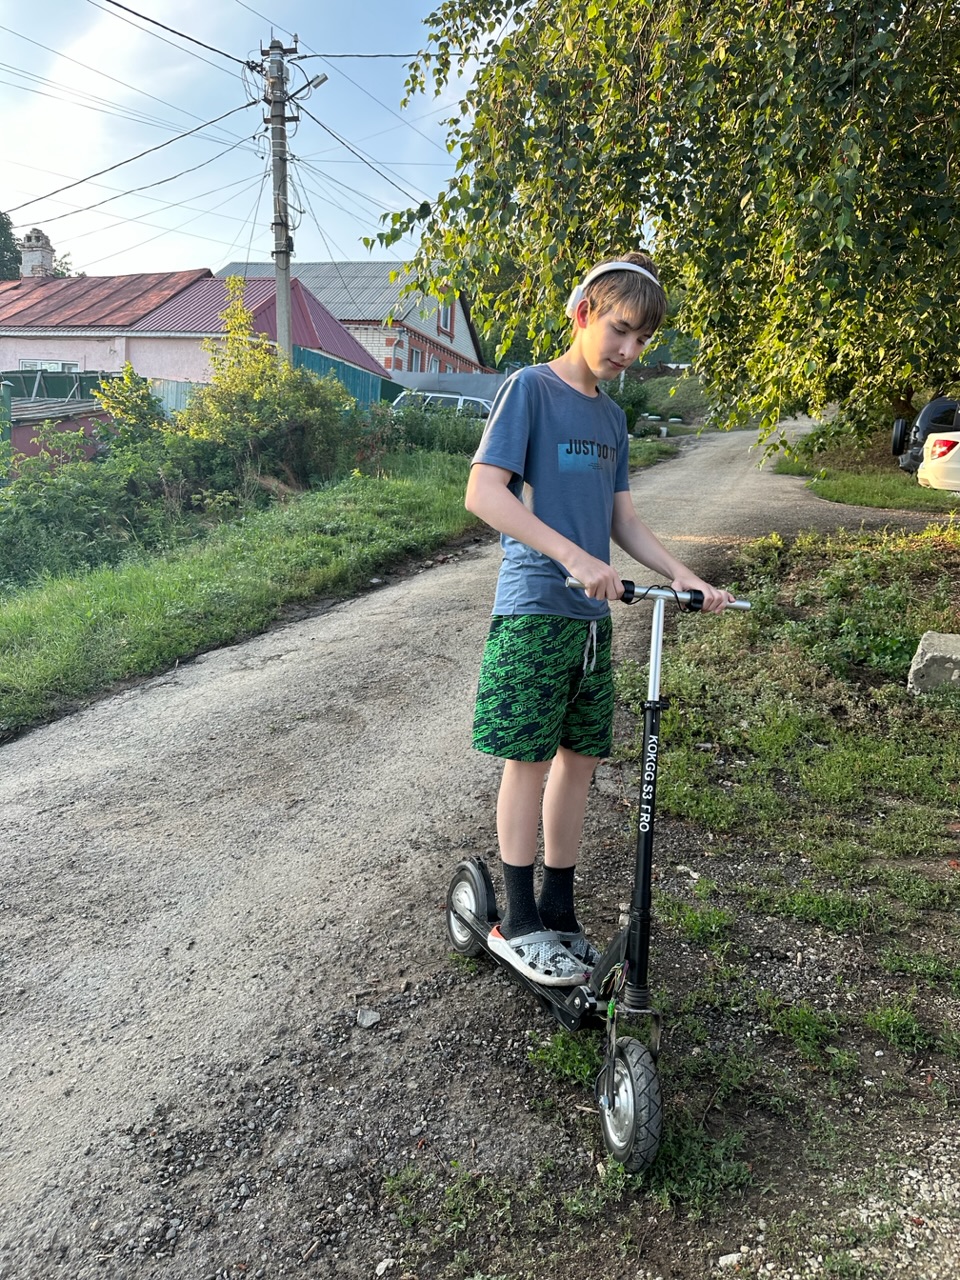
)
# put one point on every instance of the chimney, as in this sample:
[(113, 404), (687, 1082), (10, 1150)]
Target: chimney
[(36, 255)]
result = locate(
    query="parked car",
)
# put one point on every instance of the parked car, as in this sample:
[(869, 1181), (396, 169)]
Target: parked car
[(473, 406), (940, 468), (941, 418)]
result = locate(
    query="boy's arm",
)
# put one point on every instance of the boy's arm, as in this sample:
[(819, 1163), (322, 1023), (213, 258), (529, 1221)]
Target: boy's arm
[(629, 532), (488, 496)]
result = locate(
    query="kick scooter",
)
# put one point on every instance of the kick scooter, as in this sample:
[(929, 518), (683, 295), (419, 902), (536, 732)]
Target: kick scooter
[(628, 1087)]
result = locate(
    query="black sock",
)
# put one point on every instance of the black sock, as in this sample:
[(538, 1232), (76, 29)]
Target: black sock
[(521, 915), (556, 900)]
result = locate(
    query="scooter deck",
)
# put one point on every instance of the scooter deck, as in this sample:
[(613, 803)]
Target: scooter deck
[(573, 1007)]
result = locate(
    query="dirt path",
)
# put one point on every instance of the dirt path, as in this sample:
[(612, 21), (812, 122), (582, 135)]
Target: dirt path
[(204, 877)]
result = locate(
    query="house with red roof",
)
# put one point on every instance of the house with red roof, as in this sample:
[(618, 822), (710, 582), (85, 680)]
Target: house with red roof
[(158, 323)]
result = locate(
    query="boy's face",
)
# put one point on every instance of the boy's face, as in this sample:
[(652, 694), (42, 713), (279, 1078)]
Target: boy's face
[(611, 342)]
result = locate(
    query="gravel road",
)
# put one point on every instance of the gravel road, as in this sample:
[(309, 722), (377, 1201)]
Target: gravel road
[(210, 866)]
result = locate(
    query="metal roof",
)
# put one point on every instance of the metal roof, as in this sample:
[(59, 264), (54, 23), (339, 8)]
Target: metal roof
[(39, 409), (198, 311), (352, 290), (85, 301)]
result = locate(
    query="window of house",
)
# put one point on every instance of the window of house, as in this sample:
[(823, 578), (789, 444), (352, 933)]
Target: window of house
[(416, 356), (51, 366), (434, 364), (445, 321)]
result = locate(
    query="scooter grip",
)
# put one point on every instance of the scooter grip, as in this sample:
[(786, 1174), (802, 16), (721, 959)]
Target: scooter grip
[(629, 593), (695, 601)]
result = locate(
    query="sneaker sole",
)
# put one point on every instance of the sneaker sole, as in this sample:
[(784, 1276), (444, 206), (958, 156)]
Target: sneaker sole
[(502, 948)]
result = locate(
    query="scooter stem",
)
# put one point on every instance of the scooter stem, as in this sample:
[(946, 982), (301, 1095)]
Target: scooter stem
[(656, 651), (637, 994)]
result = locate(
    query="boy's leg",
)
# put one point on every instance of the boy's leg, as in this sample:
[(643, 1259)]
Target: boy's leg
[(518, 825), (564, 807), (521, 704)]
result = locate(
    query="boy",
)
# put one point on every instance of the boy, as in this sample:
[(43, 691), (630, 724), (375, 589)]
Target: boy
[(551, 475)]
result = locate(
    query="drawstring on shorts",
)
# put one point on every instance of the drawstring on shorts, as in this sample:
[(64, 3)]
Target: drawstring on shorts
[(590, 649)]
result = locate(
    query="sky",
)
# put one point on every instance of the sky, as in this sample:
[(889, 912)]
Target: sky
[(86, 85)]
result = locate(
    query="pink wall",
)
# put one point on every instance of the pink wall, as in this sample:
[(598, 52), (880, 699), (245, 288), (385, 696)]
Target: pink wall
[(107, 353), (181, 359)]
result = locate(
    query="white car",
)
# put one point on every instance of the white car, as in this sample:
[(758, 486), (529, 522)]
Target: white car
[(940, 468), (473, 406)]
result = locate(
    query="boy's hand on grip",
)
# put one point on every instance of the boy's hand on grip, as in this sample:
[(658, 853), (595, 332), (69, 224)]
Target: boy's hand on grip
[(715, 599), (600, 580)]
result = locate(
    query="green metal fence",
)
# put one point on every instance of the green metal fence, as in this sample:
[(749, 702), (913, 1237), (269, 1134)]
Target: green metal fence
[(40, 384), (363, 386)]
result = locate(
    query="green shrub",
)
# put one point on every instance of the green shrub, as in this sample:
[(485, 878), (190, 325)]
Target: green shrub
[(439, 430), (632, 399), (59, 517), (271, 419)]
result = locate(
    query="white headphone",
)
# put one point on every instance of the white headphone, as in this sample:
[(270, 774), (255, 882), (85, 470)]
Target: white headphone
[(578, 293)]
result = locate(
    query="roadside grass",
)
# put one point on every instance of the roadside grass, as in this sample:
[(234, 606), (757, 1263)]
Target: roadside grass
[(793, 725), (70, 638), (645, 452), (865, 475), (808, 974)]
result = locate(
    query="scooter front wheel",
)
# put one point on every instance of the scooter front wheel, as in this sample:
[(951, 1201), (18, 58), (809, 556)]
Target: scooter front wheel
[(631, 1116)]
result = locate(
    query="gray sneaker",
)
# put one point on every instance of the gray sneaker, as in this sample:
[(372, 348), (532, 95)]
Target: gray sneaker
[(539, 956), (581, 948)]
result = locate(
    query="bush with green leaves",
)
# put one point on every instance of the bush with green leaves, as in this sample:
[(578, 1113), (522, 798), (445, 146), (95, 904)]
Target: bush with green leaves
[(270, 419), (439, 430), (632, 398), (135, 413), (61, 513)]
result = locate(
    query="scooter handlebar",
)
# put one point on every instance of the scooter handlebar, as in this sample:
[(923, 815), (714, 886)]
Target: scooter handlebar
[(632, 594)]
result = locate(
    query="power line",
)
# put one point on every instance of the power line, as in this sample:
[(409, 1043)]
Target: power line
[(135, 190), (169, 231), (364, 159), (252, 218), (371, 55), (209, 47), (179, 47), (135, 117), (138, 156), (163, 204), (351, 191), (96, 71), (360, 214), (375, 99), (119, 219)]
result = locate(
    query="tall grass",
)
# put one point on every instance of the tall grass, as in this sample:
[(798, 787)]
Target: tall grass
[(69, 638), (863, 475)]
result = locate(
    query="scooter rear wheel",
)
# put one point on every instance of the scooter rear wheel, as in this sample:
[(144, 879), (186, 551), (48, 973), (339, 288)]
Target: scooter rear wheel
[(632, 1124), (468, 895)]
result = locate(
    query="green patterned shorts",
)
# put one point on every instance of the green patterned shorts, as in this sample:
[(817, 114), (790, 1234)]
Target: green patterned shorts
[(545, 684)]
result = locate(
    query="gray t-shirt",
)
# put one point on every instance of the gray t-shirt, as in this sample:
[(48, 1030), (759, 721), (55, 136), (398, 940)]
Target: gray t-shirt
[(569, 455)]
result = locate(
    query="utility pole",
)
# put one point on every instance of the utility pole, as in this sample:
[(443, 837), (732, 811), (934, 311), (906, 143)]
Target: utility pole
[(276, 97)]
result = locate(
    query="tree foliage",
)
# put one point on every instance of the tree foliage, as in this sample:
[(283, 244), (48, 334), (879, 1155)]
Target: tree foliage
[(792, 163), (135, 412), (273, 419), (9, 250)]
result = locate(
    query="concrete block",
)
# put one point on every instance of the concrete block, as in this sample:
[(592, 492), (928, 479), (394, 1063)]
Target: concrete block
[(936, 663)]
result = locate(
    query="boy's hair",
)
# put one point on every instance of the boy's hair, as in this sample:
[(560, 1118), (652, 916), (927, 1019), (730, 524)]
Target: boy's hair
[(642, 300)]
